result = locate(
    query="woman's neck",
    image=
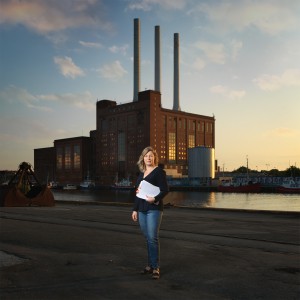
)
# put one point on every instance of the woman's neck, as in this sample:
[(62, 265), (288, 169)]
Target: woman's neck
[(149, 169)]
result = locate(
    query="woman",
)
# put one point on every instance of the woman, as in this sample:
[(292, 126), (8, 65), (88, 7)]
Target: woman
[(149, 211)]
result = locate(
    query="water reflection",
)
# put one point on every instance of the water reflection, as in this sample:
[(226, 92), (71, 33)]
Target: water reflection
[(278, 202), (191, 199)]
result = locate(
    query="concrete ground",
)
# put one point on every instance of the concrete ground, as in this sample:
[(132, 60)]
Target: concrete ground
[(74, 251)]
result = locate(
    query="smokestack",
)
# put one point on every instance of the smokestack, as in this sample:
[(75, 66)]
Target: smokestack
[(157, 59), (176, 105), (136, 60)]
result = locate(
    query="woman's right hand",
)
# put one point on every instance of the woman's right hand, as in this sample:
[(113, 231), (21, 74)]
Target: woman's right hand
[(134, 216)]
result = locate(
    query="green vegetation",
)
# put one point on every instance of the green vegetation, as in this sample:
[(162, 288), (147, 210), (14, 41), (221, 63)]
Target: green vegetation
[(291, 171)]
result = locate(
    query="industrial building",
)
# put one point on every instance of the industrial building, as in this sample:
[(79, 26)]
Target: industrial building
[(124, 130)]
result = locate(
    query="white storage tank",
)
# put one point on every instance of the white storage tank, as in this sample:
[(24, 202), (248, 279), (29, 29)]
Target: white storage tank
[(201, 162)]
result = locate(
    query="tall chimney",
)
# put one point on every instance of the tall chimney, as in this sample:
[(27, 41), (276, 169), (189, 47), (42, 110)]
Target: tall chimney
[(176, 105), (157, 59), (136, 60)]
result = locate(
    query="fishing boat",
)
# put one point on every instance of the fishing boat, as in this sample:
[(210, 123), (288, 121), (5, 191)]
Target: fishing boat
[(70, 186), (245, 186), (289, 186), (124, 184), (233, 187), (53, 185), (87, 184)]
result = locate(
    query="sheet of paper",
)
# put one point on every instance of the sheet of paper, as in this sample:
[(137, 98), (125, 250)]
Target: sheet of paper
[(147, 189)]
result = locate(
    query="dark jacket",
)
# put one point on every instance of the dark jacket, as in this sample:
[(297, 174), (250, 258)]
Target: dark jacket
[(156, 177)]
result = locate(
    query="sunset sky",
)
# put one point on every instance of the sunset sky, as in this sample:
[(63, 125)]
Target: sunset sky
[(239, 61)]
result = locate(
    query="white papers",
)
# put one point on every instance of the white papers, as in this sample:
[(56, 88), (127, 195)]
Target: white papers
[(147, 189)]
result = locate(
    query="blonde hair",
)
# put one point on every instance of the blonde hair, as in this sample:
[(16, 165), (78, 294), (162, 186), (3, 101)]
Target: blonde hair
[(141, 163)]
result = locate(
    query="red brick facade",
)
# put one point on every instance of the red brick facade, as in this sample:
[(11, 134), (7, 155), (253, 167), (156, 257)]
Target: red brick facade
[(122, 132)]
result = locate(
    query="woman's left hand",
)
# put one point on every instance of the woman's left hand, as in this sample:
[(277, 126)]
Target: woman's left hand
[(150, 199)]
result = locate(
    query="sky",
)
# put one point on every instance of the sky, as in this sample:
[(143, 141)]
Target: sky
[(239, 62)]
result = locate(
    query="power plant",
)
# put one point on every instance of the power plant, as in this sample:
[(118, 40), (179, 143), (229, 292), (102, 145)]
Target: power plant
[(123, 130)]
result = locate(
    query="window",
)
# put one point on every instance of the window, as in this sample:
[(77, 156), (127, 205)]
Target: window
[(172, 146), (131, 121), (76, 157), (191, 141), (59, 157), (121, 146), (67, 157)]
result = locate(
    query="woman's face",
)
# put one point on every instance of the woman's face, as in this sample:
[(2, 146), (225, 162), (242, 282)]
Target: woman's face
[(149, 159)]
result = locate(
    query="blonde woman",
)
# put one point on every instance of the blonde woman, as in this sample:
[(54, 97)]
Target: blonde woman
[(149, 211)]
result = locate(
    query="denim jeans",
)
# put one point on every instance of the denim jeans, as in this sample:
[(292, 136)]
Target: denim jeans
[(150, 223)]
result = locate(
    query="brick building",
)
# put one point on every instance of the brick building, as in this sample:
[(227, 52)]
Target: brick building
[(124, 130), (69, 161), (44, 164)]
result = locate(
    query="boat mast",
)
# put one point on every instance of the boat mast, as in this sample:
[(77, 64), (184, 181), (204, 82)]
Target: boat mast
[(247, 168)]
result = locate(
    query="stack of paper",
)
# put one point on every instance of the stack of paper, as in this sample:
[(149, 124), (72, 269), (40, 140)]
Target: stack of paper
[(147, 189)]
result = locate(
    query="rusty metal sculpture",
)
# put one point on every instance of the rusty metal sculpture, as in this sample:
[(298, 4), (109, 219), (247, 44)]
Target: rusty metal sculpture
[(25, 190)]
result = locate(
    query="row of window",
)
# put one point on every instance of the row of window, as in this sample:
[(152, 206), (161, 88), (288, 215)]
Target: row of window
[(68, 157), (130, 121), (181, 124)]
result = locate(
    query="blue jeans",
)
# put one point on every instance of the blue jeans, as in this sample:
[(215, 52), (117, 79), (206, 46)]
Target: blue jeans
[(150, 223)]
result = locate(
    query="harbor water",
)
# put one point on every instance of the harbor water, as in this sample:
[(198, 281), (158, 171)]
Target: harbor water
[(192, 199)]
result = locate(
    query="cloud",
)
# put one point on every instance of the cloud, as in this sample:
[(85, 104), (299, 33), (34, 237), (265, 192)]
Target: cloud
[(83, 100), (91, 44), (51, 16), (198, 64), (14, 94), (112, 71), (42, 102), (268, 16), (122, 49), (290, 77), (214, 52), (226, 92), (282, 132), (147, 5), (236, 46), (67, 67)]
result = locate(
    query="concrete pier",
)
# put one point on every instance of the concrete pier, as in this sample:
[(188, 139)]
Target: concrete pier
[(96, 252)]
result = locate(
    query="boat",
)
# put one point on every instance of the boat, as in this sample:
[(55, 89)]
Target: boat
[(232, 187), (246, 186), (124, 184), (289, 186), (87, 184), (70, 186), (53, 185)]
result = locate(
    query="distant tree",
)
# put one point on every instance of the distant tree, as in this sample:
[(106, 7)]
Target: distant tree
[(292, 171), (274, 172), (241, 169)]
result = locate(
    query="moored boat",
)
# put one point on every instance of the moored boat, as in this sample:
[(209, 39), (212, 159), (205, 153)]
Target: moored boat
[(87, 184), (289, 186), (248, 187), (123, 184), (70, 186)]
